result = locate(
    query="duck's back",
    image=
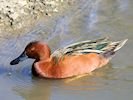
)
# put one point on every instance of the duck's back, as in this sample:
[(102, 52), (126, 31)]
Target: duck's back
[(99, 46)]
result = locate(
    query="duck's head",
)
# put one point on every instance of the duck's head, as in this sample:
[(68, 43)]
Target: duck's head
[(36, 50)]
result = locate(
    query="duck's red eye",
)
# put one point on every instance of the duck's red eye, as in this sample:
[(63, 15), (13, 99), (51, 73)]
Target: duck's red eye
[(33, 48)]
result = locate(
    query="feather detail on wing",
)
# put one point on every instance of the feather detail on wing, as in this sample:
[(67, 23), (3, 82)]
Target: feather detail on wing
[(99, 46)]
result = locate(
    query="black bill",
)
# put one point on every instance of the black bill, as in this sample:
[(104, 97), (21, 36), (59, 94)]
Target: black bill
[(22, 57)]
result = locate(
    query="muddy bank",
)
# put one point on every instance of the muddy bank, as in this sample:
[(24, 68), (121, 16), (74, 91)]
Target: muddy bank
[(15, 15)]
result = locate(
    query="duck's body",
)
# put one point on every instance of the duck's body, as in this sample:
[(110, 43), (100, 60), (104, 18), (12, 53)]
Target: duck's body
[(69, 65), (73, 60)]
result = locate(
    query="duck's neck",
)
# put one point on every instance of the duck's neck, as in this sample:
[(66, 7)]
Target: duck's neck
[(33, 69), (44, 52)]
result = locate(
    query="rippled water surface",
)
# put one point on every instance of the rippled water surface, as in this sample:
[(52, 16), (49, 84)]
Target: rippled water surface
[(88, 19)]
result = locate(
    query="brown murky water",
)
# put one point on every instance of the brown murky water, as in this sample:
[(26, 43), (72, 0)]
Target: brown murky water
[(89, 19)]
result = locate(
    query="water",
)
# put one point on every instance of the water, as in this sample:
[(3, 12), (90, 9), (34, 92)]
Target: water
[(88, 19)]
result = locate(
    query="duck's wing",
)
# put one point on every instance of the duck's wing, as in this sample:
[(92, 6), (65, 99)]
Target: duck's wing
[(99, 46), (82, 47), (102, 46)]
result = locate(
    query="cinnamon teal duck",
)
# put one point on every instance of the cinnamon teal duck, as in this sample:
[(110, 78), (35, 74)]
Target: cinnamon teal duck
[(72, 60)]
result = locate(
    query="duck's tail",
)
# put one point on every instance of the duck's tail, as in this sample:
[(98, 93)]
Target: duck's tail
[(112, 48)]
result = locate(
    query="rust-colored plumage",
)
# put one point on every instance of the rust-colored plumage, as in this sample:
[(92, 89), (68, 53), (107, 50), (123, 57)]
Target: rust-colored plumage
[(75, 59)]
